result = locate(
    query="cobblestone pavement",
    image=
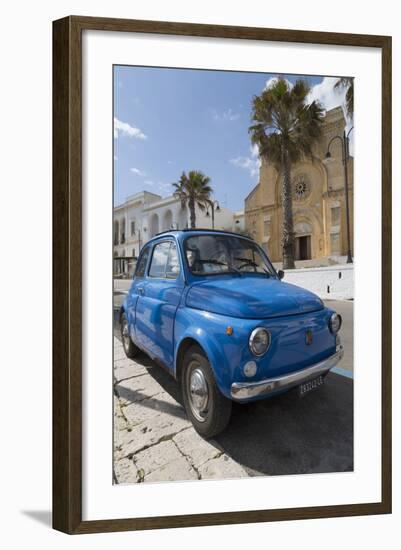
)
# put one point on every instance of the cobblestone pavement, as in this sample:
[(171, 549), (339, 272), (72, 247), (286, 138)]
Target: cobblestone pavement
[(284, 435), (153, 440)]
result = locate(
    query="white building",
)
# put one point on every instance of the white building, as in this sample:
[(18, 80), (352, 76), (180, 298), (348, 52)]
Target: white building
[(129, 229), (145, 214), (239, 221)]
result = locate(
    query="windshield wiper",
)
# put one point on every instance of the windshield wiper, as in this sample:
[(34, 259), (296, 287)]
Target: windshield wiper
[(232, 269), (250, 262)]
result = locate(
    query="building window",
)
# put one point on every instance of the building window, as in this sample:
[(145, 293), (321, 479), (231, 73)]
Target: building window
[(266, 227), (335, 215), (132, 228), (116, 232), (122, 231), (301, 187), (335, 243)]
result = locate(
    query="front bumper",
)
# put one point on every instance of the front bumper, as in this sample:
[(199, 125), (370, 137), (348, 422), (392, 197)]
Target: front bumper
[(247, 390)]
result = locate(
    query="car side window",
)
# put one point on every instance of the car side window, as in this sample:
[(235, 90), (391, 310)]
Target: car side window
[(173, 262), (165, 262), (140, 268), (159, 260)]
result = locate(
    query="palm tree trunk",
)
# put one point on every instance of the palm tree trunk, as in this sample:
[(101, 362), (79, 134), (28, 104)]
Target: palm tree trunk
[(288, 239), (192, 215)]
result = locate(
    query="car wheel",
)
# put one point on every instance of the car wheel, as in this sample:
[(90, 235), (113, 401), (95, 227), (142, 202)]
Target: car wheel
[(208, 409), (129, 347)]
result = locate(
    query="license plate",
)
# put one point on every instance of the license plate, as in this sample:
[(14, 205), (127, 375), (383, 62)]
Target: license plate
[(309, 386)]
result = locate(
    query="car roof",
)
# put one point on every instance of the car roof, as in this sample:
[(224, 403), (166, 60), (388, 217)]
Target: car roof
[(180, 232)]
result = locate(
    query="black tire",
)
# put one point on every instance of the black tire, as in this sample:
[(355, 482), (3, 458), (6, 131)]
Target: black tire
[(130, 348), (209, 414)]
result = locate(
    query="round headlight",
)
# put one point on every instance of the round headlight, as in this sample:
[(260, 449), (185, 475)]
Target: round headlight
[(259, 341), (335, 323)]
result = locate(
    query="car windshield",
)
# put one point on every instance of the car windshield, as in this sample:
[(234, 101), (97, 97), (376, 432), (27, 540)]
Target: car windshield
[(220, 254)]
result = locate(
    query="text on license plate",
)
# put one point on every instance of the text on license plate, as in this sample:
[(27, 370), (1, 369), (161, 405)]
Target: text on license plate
[(311, 385)]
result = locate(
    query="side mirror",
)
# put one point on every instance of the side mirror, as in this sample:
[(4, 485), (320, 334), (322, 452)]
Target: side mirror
[(280, 274)]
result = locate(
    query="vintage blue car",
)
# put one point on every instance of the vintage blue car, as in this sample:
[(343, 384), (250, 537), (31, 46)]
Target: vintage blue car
[(210, 308)]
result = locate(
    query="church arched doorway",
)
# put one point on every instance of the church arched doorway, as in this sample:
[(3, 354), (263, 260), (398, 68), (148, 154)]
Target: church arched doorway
[(303, 241)]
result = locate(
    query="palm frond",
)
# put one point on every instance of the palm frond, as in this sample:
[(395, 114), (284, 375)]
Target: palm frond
[(282, 120)]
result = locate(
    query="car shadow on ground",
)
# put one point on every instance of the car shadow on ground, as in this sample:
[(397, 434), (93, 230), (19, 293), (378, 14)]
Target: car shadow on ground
[(285, 434)]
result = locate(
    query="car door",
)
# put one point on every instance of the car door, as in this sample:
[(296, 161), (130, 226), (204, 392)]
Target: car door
[(158, 301), (137, 286)]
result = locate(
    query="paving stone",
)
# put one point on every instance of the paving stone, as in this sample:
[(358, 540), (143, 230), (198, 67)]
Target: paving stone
[(149, 408), (152, 428), (119, 423), (195, 447), (179, 470), (152, 431), (136, 389), (125, 471), (126, 368), (223, 467), (118, 352), (120, 440), (156, 456)]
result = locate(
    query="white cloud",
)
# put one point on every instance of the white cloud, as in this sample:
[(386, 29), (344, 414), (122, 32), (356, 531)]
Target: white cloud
[(326, 94), (160, 187), (138, 172), (125, 129), (164, 187), (226, 115), (252, 163), (255, 150), (331, 97)]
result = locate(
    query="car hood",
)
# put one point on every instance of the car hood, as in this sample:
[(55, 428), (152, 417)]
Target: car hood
[(251, 297)]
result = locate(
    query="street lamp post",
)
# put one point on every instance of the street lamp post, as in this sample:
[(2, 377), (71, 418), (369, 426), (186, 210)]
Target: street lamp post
[(213, 205), (345, 157)]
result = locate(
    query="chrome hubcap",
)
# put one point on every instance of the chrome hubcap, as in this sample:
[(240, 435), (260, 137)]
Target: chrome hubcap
[(125, 335), (198, 393)]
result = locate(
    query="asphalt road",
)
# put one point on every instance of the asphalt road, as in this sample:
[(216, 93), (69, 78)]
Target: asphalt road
[(287, 434)]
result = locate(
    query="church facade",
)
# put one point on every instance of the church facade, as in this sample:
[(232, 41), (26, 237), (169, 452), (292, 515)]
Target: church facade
[(319, 203)]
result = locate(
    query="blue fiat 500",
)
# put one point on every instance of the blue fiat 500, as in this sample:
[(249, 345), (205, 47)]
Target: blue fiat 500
[(210, 307)]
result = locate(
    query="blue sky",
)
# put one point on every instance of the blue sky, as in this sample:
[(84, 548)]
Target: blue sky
[(170, 120)]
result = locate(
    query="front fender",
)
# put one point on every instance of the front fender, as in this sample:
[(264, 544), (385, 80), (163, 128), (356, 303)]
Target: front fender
[(224, 352), (228, 354)]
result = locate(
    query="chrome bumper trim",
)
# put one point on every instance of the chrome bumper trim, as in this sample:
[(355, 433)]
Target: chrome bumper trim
[(247, 390)]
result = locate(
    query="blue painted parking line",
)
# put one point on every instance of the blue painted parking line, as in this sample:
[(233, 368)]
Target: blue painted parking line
[(343, 372)]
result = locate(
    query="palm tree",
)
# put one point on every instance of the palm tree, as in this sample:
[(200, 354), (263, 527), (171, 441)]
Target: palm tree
[(284, 128), (193, 190), (348, 83)]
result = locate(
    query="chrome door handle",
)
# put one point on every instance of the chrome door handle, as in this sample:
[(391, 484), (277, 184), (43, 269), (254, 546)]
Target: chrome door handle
[(141, 290)]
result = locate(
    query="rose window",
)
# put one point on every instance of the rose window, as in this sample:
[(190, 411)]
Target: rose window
[(301, 187)]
